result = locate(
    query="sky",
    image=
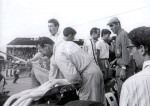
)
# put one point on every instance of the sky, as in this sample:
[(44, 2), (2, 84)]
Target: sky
[(28, 18)]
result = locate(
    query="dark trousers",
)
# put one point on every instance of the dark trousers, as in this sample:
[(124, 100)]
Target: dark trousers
[(16, 78), (105, 67)]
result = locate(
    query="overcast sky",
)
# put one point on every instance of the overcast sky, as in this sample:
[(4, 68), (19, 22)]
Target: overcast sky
[(28, 18)]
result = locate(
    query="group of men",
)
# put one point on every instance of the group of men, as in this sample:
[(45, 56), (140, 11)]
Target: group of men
[(90, 65)]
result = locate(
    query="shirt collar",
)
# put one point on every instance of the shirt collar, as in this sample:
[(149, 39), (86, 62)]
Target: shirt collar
[(57, 33), (94, 40), (145, 64)]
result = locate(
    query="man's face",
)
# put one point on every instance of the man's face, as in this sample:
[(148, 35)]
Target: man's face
[(47, 50), (136, 54), (106, 37), (95, 36), (114, 28), (71, 37), (52, 28)]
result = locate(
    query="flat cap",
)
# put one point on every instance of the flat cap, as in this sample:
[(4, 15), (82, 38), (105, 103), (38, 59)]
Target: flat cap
[(112, 20)]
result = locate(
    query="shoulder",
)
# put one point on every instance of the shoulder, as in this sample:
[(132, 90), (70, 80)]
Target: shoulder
[(99, 42), (142, 75), (123, 33), (69, 47), (87, 41)]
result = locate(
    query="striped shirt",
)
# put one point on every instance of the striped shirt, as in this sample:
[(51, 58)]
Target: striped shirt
[(136, 90)]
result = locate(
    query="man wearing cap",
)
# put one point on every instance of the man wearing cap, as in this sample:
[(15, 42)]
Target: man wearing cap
[(123, 68)]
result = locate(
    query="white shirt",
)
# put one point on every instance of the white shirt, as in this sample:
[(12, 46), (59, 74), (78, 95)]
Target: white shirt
[(103, 47), (76, 65), (57, 37), (136, 90), (89, 46)]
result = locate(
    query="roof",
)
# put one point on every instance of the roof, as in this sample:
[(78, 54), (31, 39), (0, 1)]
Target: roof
[(1, 58), (32, 41), (23, 41)]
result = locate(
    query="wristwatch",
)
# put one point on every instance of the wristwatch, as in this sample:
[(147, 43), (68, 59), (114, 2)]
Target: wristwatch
[(123, 67)]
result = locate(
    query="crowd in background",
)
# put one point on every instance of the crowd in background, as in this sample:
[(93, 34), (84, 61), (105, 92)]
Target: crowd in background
[(23, 53)]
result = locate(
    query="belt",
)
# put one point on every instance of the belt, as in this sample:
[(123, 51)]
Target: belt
[(103, 58)]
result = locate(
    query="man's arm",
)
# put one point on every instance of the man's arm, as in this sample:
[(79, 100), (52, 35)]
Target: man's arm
[(68, 69), (124, 50), (37, 56), (124, 56), (54, 72)]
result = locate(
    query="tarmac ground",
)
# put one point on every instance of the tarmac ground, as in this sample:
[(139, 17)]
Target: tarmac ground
[(22, 84)]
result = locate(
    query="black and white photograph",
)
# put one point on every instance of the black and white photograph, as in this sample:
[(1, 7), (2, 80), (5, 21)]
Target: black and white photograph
[(74, 53)]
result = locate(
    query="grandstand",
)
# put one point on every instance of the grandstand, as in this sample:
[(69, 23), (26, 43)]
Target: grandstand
[(1, 63), (23, 48)]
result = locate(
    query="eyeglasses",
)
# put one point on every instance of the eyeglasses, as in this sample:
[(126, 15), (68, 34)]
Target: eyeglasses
[(130, 47)]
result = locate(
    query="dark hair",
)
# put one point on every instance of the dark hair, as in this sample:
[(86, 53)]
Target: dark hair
[(94, 30), (69, 30), (113, 37), (105, 31), (56, 23), (141, 36), (44, 40)]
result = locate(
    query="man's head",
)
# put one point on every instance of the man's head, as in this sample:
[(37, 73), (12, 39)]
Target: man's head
[(53, 26), (114, 25), (139, 44), (95, 33), (45, 46), (105, 34), (69, 34)]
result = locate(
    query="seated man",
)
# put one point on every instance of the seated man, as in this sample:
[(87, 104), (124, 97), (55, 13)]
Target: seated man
[(76, 65)]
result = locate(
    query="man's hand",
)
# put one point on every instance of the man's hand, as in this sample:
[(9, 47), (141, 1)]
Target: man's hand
[(29, 63), (123, 74)]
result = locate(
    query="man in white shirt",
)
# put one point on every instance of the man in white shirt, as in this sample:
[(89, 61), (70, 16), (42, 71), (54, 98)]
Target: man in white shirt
[(136, 89), (89, 45), (103, 52), (55, 73), (55, 35)]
